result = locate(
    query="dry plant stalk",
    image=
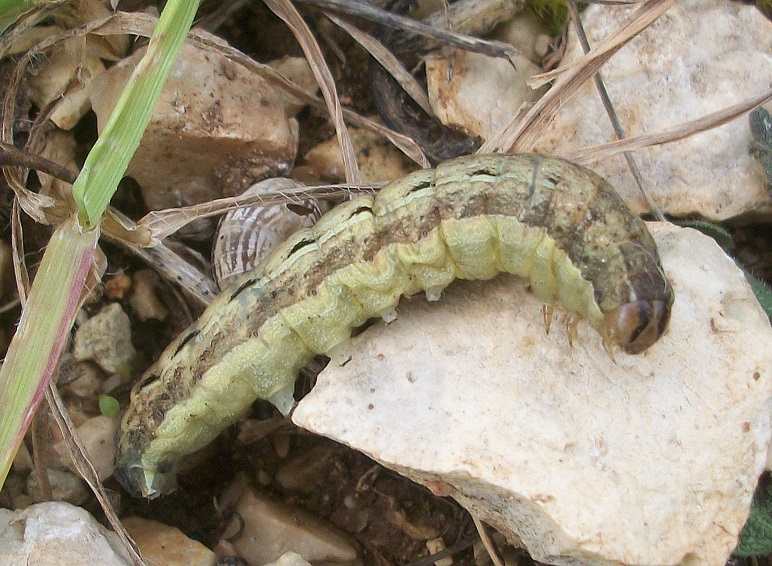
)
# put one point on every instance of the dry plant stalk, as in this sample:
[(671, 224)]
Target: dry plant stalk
[(287, 12), (522, 135)]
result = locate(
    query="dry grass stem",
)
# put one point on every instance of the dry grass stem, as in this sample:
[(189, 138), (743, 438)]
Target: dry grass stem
[(587, 155), (389, 62), (163, 223), (287, 12), (17, 252), (490, 548), (635, 25), (472, 17), (576, 20), (406, 24), (40, 208), (86, 470), (521, 135)]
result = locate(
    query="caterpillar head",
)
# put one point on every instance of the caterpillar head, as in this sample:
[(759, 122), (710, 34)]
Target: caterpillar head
[(637, 325)]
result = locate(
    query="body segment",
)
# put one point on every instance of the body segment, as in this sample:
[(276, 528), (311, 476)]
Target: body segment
[(543, 218)]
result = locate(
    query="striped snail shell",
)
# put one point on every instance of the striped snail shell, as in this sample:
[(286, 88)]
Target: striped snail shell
[(246, 235)]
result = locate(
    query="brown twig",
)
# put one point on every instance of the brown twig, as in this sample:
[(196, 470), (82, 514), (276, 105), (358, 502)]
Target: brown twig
[(493, 552), (12, 156)]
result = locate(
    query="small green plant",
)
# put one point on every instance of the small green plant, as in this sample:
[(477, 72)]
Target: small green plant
[(54, 297), (553, 13), (109, 406), (756, 536)]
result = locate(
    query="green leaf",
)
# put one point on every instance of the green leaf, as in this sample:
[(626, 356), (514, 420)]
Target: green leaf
[(761, 290), (42, 334), (109, 158), (715, 231), (47, 318), (11, 10), (109, 406), (756, 536)]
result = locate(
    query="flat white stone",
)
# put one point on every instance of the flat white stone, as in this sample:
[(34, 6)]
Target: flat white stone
[(56, 533), (650, 460), (701, 56)]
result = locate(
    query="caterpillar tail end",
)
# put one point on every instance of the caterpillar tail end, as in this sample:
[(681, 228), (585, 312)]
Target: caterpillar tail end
[(142, 481)]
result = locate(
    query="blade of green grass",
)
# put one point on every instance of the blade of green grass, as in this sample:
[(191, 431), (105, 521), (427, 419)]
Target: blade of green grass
[(11, 10), (55, 294), (42, 333), (107, 161)]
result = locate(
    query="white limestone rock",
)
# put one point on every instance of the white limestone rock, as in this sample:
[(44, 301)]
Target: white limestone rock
[(216, 128), (163, 544), (268, 528), (650, 460), (701, 56), (478, 94), (105, 338), (55, 533)]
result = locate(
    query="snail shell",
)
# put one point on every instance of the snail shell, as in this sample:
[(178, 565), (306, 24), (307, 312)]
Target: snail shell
[(246, 235)]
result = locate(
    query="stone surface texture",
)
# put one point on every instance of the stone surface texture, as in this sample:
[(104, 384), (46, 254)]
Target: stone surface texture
[(268, 529), (65, 486), (650, 460), (161, 544), (377, 159), (55, 533), (701, 56), (289, 559), (216, 128), (105, 338), (99, 436), (476, 93)]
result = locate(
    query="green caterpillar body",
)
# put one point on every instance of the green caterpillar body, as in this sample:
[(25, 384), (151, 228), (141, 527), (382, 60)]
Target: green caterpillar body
[(559, 224)]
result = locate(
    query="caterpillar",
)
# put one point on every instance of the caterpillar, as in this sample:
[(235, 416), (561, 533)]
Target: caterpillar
[(556, 223)]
